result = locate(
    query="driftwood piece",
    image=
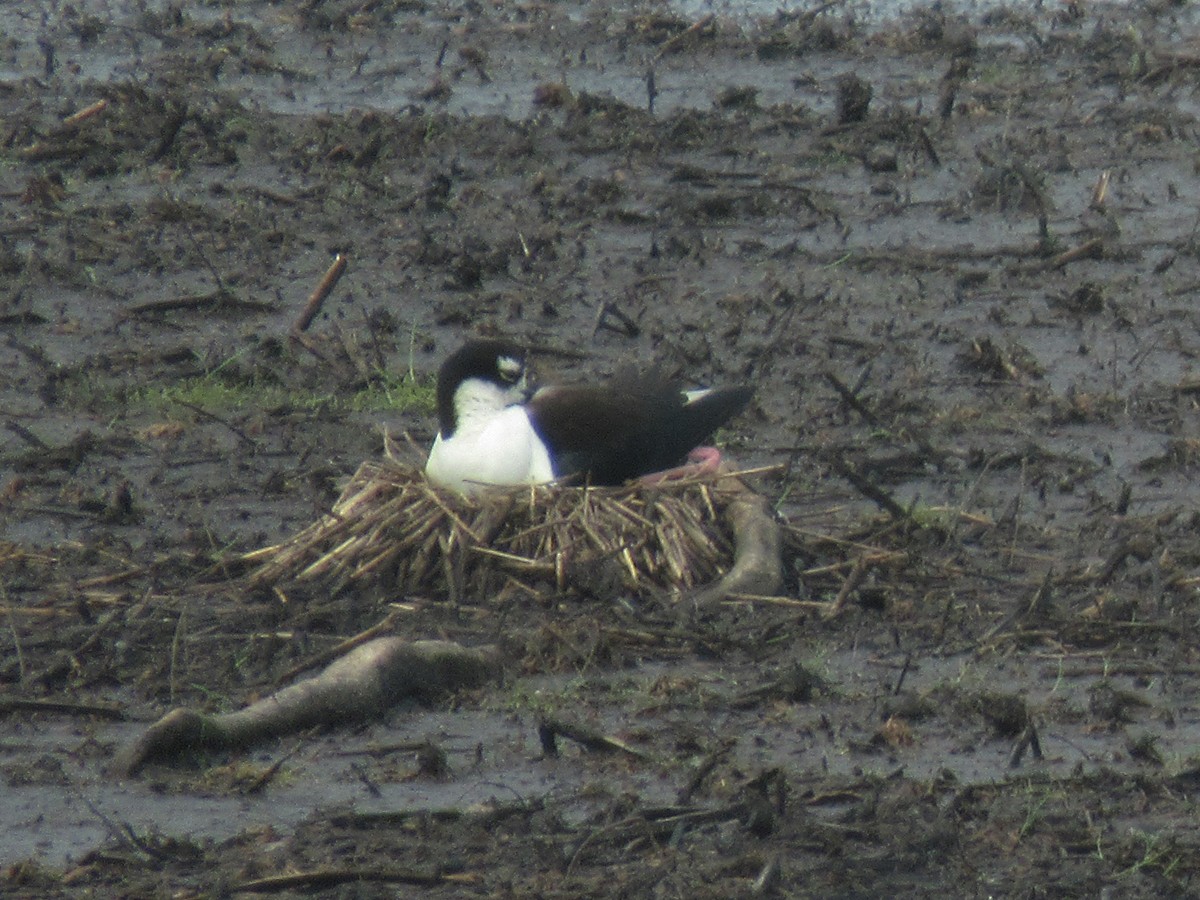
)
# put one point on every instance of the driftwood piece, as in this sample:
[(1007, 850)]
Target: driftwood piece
[(758, 553), (361, 686)]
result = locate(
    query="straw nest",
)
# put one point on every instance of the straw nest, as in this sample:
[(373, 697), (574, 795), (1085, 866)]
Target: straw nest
[(391, 528)]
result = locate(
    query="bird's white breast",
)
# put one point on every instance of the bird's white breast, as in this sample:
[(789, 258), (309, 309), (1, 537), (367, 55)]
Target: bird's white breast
[(501, 449)]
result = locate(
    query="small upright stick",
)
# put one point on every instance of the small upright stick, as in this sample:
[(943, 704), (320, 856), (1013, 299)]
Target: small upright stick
[(317, 297), (1100, 191)]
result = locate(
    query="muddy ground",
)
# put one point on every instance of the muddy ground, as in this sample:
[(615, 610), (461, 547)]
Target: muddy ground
[(956, 255)]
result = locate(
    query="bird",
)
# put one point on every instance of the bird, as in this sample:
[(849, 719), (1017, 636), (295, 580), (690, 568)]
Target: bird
[(493, 429)]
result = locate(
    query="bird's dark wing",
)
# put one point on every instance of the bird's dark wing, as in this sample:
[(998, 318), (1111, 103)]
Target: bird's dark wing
[(629, 428), (583, 426)]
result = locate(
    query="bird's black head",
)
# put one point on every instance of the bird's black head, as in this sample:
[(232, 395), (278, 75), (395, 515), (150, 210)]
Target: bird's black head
[(497, 363)]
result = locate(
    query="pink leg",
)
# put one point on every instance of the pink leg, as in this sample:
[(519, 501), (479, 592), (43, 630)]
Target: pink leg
[(701, 461)]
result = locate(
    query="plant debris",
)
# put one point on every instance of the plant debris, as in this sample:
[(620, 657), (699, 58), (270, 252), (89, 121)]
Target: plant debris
[(393, 529)]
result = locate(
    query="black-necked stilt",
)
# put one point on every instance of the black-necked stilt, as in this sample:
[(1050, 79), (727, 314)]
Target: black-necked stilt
[(493, 433)]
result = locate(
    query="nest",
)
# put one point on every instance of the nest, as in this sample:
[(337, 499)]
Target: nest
[(392, 529)]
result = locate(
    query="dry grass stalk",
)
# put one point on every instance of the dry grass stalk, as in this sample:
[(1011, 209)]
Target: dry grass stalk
[(391, 528)]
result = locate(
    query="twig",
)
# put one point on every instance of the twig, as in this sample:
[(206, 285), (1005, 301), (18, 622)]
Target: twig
[(219, 299), (607, 310), (808, 16), (772, 600), (238, 432), (670, 45), (705, 769), (1016, 510), (37, 612), (1100, 190), (522, 561), (265, 777), (904, 670), (1028, 739), (123, 832), (26, 435), (549, 728), (436, 498), (853, 580), (115, 578), (12, 704), (1093, 248), (767, 882), (663, 827), (322, 290), (850, 398), (382, 627), (86, 113), (308, 344), (319, 878), (873, 493), (170, 131), (176, 641), (1035, 602)]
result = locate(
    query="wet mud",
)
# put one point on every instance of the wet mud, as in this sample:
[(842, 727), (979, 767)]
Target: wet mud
[(955, 254)]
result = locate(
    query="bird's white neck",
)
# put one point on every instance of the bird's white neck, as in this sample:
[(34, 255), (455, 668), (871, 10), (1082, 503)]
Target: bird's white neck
[(477, 401)]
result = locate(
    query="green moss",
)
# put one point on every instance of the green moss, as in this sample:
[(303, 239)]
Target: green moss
[(999, 74), (940, 517), (396, 392)]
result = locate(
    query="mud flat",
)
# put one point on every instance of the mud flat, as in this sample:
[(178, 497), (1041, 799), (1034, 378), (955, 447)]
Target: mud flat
[(956, 253)]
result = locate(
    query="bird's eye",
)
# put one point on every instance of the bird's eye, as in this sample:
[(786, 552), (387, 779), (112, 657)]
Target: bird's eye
[(510, 369)]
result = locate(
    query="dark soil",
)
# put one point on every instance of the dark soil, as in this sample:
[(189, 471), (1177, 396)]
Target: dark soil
[(956, 256)]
